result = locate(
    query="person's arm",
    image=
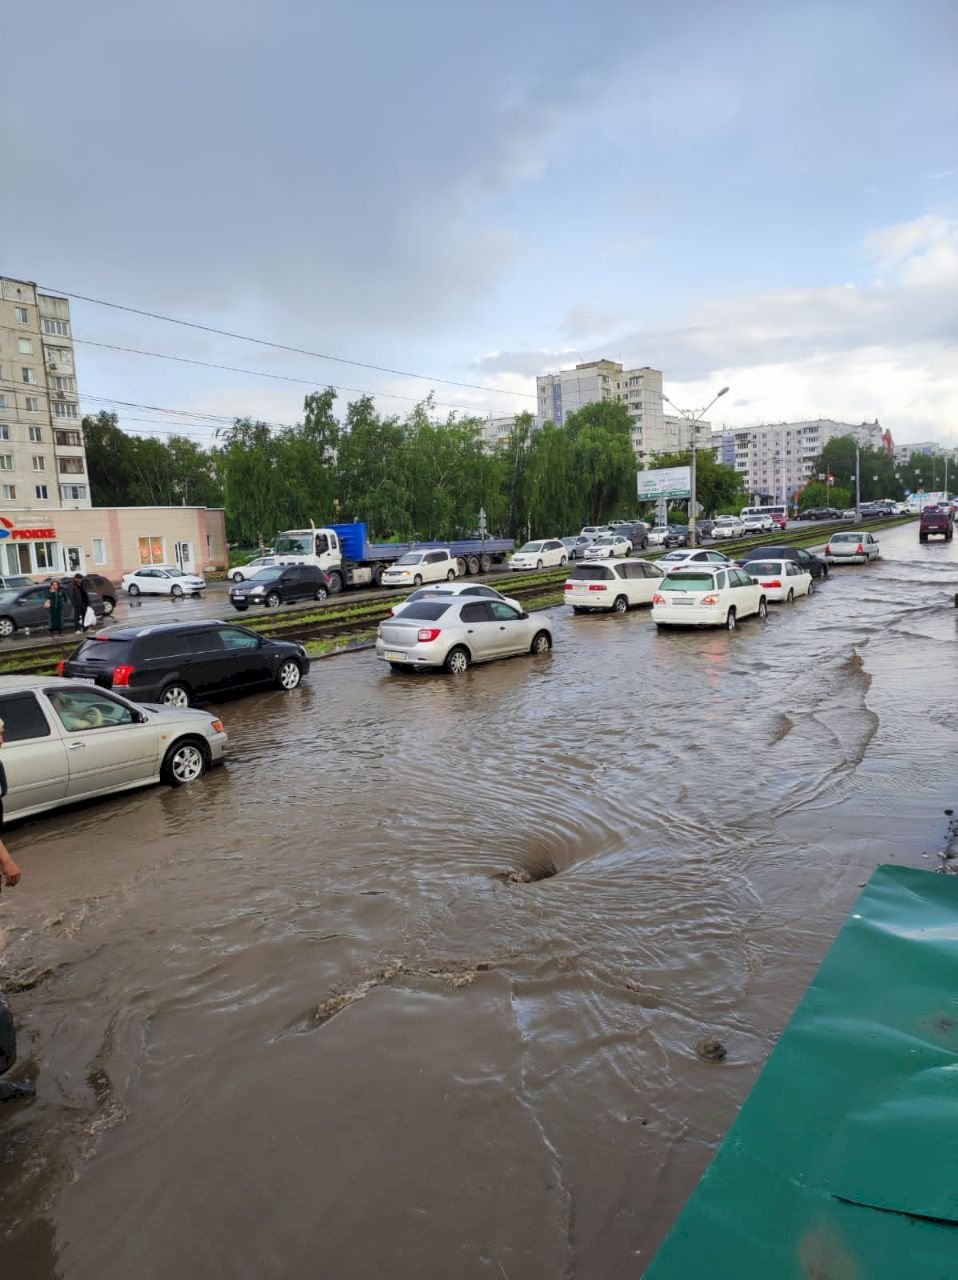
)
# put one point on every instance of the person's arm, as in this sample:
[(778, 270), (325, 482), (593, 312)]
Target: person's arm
[(8, 868)]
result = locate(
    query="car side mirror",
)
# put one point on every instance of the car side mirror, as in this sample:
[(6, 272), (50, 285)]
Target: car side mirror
[(523, 615)]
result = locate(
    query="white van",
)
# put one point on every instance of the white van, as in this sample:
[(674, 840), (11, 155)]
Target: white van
[(778, 515)]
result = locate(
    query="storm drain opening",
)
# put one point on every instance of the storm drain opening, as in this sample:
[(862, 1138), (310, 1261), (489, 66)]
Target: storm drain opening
[(534, 870)]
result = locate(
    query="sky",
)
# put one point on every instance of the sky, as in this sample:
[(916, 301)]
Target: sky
[(757, 195)]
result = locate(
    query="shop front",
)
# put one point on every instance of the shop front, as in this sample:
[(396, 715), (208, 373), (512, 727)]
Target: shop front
[(112, 540)]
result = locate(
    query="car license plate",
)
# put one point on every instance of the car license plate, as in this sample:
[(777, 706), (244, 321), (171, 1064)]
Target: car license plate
[(682, 600), (83, 679), (392, 656)]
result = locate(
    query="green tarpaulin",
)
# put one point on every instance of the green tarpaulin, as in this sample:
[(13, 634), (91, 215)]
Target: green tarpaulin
[(843, 1163)]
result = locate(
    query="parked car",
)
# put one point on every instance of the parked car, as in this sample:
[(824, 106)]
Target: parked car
[(758, 524), (613, 544), (162, 580), (544, 553), (17, 580), (728, 527), (456, 589), (457, 632), (65, 741), (244, 571), (23, 608), (657, 535), (612, 587), (594, 531), (815, 565), (184, 662), (822, 513), (637, 533), (704, 527), (691, 555), (576, 547), (851, 548), (417, 567), (781, 579), (104, 588), (707, 596), (280, 584), (935, 523)]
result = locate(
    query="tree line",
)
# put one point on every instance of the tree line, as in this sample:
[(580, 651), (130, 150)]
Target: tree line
[(880, 476)]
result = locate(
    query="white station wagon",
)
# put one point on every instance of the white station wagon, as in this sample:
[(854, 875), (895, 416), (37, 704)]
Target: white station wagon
[(612, 586), (417, 567), (543, 554), (707, 596)]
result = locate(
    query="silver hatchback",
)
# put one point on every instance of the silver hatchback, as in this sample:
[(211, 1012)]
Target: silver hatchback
[(452, 633)]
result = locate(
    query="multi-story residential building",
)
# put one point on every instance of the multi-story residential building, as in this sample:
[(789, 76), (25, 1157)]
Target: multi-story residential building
[(42, 458), (777, 459), (926, 449), (496, 432)]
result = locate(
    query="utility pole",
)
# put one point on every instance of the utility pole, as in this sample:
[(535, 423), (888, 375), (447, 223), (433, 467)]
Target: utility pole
[(858, 485), (692, 418)]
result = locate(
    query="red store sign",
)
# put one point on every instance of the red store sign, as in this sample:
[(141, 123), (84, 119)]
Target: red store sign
[(33, 535)]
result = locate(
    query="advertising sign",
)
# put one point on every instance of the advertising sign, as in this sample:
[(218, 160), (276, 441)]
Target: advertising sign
[(667, 482)]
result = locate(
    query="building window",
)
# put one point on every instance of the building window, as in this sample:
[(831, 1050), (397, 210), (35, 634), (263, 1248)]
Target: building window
[(70, 466), (6, 461), (26, 346), (22, 315), (59, 327), (68, 439), (59, 356), (4, 431), (35, 434), (152, 550), (65, 383), (29, 376), (10, 492), (46, 554), (62, 409), (72, 492), (33, 406), (42, 492), (3, 402), (99, 551), (39, 462)]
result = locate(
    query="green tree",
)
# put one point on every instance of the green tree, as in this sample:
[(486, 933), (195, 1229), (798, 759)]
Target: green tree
[(877, 470), (109, 456), (601, 435), (818, 493), (719, 489), (254, 482), (371, 474)]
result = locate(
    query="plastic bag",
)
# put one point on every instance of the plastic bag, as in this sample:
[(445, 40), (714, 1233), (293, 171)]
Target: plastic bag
[(89, 618)]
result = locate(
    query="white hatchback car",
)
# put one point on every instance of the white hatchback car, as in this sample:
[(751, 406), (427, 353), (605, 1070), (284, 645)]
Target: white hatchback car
[(543, 554), (612, 587), (851, 548), (707, 596), (780, 579), (728, 527), (691, 555), (757, 524), (244, 571), (417, 567), (605, 548), (162, 580)]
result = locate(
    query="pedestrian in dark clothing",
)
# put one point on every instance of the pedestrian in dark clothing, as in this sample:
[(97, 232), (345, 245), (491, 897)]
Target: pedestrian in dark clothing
[(54, 602), (80, 599)]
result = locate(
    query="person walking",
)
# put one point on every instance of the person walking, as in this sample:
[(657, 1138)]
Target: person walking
[(80, 599), (54, 602), (9, 876)]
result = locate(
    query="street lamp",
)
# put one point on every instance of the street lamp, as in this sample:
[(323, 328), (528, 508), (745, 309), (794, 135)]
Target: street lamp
[(692, 418)]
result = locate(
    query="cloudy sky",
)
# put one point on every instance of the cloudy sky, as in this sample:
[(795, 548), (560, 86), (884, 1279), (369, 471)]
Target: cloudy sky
[(758, 194)]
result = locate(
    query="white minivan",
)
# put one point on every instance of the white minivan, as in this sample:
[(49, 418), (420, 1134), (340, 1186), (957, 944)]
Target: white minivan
[(778, 515), (417, 567)]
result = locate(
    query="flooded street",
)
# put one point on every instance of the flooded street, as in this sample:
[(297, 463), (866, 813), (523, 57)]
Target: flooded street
[(413, 986)]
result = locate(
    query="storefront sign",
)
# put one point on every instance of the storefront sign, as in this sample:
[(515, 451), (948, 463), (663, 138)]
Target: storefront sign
[(9, 530)]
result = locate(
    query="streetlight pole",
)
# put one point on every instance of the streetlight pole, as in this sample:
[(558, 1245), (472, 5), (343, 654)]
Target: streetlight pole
[(692, 418), (858, 485)]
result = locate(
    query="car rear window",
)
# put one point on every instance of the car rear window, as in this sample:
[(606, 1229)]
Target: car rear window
[(110, 652), (765, 566), (591, 572), (426, 610), (846, 537), (687, 582), (22, 718)]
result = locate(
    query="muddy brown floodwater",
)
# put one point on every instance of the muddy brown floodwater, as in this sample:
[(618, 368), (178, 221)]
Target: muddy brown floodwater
[(417, 986)]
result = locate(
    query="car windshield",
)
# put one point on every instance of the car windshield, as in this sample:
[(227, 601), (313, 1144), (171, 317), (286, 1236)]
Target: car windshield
[(531, 546), (687, 582), (604, 542), (411, 557), (591, 572), (262, 574), (660, 528), (290, 544), (726, 520)]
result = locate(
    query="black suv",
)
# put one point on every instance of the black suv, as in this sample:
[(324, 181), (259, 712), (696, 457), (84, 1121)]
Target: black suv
[(815, 565), (280, 584), (183, 662)]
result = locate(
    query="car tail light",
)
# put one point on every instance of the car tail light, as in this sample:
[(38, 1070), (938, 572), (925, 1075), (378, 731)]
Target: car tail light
[(828, 549), (121, 675), (775, 582), (711, 598), (428, 634), (60, 665), (217, 725), (658, 598), (569, 586), (598, 586), (860, 551)]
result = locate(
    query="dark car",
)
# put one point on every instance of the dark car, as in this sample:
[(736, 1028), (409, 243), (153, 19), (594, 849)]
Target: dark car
[(815, 565), (15, 580), (183, 662), (280, 584), (23, 607), (636, 531), (704, 527), (104, 588), (821, 513), (677, 536), (935, 523)]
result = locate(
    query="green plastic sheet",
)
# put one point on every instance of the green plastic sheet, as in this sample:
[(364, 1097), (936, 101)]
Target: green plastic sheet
[(843, 1162)]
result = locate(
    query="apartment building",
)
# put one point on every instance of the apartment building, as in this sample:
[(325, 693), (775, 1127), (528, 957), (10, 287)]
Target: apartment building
[(904, 453), (496, 432), (777, 459), (42, 458)]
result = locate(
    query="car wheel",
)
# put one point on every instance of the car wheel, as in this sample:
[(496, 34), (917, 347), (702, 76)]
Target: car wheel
[(108, 606), (237, 577), (175, 695), (825, 571), (240, 607), (176, 591), (811, 588), (273, 600), (621, 605), (457, 661), (451, 576), (399, 666), (790, 598), (538, 564), (417, 581), (7, 626), (185, 761), (289, 674), (541, 642), (563, 561), (335, 584), (730, 620), (577, 608), (321, 593), (133, 589), (763, 608)]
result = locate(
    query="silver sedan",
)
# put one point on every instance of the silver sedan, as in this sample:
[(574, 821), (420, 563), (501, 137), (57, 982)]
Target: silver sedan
[(452, 633), (65, 740)]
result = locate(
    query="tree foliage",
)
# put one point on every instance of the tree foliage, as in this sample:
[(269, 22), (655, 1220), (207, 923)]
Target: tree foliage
[(719, 489), (132, 471)]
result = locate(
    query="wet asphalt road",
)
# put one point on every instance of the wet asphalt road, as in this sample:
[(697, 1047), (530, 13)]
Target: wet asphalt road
[(301, 1019)]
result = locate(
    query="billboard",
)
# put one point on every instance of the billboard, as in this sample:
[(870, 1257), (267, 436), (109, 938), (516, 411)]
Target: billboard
[(667, 482)]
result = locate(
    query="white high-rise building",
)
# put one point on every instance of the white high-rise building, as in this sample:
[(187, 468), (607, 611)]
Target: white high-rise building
[(777, 459)]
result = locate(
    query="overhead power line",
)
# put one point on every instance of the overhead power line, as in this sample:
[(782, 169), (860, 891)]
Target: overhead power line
[(280, 346)]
